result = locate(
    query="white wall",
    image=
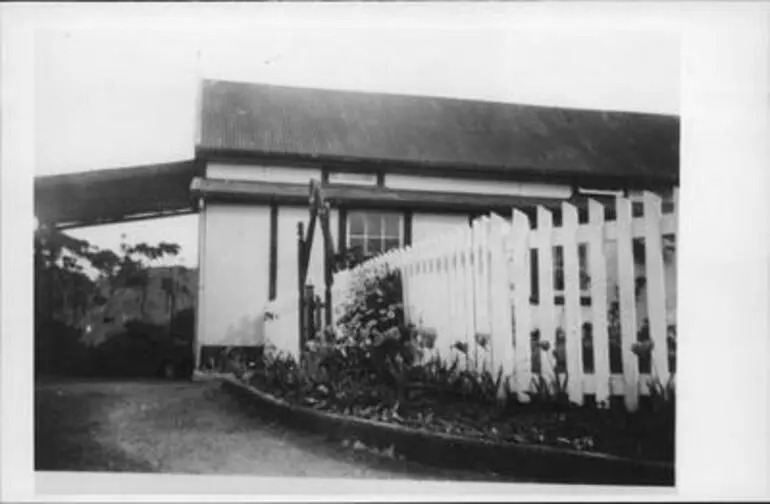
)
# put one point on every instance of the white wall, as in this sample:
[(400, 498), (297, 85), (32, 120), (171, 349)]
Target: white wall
[(497, 187), (426, 224), (234, 273), (257, 173), (288, 217)]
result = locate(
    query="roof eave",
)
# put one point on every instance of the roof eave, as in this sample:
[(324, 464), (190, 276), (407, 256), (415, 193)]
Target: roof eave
[(501, 172)]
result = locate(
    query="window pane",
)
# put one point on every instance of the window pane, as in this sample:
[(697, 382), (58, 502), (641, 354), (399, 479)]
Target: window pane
[(391, 243), (356, 223), (357, 241), (374, 245), (391, 225), (373, 224)]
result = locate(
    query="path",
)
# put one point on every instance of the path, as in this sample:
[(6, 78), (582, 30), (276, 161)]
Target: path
[(192, 428)]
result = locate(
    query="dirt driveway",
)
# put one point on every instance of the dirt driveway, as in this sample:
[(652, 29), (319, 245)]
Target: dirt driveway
[(193, 428)]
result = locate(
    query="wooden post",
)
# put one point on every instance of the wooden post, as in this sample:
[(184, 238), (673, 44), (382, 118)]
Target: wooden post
[(328, 266), (308, 314), (315, 202), (301, 279)]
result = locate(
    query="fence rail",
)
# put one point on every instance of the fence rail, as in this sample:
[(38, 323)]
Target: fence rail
[(474, 286)]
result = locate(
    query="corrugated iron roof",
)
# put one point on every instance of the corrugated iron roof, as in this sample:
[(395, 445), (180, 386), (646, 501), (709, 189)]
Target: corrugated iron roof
[(326, 124), (114, 195)]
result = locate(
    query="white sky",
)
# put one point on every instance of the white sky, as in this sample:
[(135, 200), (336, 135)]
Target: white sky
[(113, 98)]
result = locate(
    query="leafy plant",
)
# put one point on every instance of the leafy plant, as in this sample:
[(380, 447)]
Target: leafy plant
[(550, 393)]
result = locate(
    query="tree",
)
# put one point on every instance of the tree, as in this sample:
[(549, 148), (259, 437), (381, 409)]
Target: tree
[(59, 266), (133, 272), (61, 285)]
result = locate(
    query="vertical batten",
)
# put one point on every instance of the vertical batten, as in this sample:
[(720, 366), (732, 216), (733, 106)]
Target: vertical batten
[(522, 310), (598, 273), (406, 282), (572, 310), (626, 287), (656, 289), (200, 305)]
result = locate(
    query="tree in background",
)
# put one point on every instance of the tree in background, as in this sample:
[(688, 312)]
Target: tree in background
[(72, 279), (59, 268)]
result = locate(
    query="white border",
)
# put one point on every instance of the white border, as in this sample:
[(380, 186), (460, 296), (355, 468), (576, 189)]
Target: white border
[(722, 438)]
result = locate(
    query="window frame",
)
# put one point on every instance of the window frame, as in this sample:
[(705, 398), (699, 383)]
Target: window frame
[(402, 217)]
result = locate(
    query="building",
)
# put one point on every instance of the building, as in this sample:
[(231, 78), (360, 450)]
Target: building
[(395, 169)]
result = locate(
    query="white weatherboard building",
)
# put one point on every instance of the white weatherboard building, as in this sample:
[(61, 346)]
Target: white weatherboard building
[(395, 169)]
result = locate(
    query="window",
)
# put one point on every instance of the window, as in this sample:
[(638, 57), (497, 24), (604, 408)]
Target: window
[(374, 232)]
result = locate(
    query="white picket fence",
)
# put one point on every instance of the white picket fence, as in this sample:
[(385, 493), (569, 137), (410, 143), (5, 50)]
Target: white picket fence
[(473, 286)]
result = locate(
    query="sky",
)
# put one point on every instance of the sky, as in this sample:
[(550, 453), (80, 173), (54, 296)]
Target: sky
[(114, 98)]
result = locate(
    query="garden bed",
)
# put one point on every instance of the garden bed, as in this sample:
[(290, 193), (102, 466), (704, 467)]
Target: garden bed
[(462, 442), (375, 374), (644, 435)]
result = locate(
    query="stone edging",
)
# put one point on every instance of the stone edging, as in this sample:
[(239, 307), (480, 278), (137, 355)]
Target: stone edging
[(523, 461)]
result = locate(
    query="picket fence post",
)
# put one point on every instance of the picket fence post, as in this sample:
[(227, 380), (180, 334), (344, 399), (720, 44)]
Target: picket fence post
[(573, 330), (627, 301), (655, 285), (518, 250), (546, 308), (598, 274)]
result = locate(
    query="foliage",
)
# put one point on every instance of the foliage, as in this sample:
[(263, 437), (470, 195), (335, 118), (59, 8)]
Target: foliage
[(139, 351), (375, 365), (550, 394), (349, 258), (376, 305), (65, 294), (444, 397), (59, 270)]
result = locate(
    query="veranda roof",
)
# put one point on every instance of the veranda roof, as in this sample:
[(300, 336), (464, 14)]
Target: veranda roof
[(115, 195)]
